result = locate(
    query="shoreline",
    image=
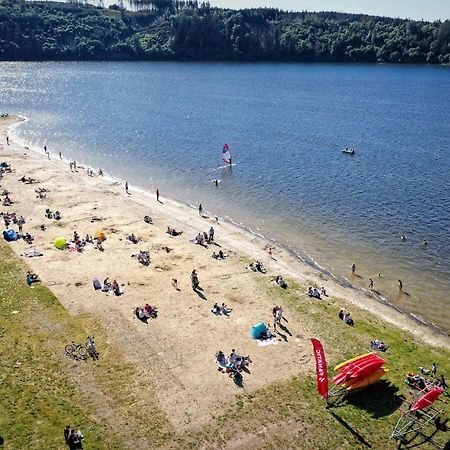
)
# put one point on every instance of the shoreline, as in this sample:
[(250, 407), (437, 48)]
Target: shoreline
[(252, 245)]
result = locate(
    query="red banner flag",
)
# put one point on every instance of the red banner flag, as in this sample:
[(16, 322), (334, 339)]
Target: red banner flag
[(321, 368)]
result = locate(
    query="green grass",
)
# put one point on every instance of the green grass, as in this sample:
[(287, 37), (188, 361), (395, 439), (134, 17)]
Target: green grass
[(41, 391)]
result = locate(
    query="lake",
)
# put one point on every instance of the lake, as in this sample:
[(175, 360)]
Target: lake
[(164, 124)]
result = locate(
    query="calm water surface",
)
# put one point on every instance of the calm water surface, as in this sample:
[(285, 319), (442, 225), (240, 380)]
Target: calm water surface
[(164, 124)]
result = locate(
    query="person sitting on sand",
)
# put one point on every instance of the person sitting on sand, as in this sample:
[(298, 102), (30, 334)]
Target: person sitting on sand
[(215, 309), (57, 215), (279, 280), (316, 293), (98, 245), (28, 238), (199, 239), (31, 278), (106, 285), (150, 311), (115, 288), (139, 313), (221, 360), (148, 219), (259, 267), (323, 292)]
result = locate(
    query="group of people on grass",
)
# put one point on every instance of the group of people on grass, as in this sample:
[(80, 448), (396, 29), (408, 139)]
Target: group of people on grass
[(74, 438)]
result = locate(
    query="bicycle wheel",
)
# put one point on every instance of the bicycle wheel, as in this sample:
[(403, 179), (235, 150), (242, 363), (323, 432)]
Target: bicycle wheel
[(70, 350), (82, 352)]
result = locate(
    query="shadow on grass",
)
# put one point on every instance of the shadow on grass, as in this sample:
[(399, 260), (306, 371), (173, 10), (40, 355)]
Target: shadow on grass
[(419, 439), (350, 429), (380, 400)]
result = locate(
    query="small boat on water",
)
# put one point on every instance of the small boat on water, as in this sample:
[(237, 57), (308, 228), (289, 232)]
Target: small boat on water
[(349, 151)]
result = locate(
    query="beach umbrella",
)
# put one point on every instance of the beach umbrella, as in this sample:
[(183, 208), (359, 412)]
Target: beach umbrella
[(100, 235), (60, 243)]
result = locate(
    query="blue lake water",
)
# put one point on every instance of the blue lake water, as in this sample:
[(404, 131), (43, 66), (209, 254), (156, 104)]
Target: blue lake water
[(164, 124)]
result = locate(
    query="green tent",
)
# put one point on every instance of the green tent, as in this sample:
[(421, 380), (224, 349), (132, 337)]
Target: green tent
[(60, 243)]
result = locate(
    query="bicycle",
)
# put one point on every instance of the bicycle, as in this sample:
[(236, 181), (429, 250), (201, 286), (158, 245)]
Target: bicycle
[(76, 351)]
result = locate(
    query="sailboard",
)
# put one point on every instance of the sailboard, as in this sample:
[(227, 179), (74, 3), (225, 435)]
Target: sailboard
[(226, 154)]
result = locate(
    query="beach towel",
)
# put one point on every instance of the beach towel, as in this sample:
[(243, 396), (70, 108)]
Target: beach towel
[(31, 253), (266, 342)]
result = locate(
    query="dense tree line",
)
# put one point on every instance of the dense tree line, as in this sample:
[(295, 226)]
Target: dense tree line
[(172, 29)]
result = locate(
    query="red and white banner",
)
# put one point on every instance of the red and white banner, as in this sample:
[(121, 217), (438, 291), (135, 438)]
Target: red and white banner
[(321, 368)]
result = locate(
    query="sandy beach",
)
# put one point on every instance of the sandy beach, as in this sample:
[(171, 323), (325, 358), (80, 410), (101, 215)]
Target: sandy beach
[(175, 352)]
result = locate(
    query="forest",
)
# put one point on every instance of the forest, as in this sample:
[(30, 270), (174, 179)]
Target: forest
[(189, 30)]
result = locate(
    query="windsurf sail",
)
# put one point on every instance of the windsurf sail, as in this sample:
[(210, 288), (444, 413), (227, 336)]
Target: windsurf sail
[(226, 154)]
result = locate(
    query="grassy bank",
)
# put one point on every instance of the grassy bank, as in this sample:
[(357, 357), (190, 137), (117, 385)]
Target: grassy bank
[(41, 390)]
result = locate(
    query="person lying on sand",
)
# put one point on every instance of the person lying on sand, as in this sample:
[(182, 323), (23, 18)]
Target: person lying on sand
[(143, 257), (225, 310), (279, 280), (216, 309), (31, 278), (257, 267), (131, 238), (173, 232), (313, 293), (346, 318), (28, 180)]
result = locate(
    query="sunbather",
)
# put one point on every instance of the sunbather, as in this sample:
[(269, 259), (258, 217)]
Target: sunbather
[(279, 280), (225, 310), (31, 278)]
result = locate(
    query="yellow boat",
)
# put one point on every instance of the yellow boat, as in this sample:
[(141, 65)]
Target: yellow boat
[(368, 380), (353, 360)]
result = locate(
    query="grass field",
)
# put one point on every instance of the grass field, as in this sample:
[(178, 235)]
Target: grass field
[(41, 390)]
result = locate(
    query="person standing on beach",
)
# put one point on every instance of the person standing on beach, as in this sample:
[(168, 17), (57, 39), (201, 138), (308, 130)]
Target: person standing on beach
[(370, 284), (126, 187), (211, 235), (7, 140), (400, 285), (353, 268), (200, 209), (60, 156), (157, 195)]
